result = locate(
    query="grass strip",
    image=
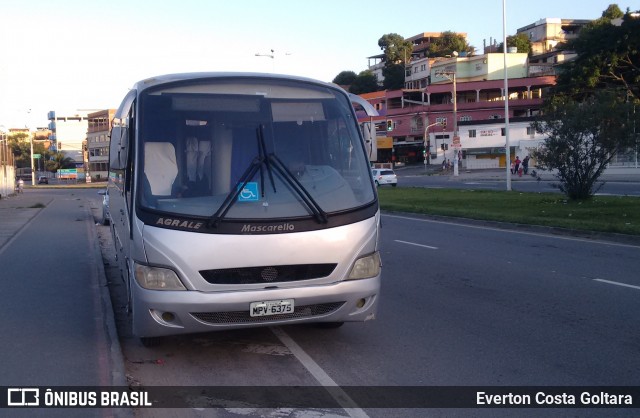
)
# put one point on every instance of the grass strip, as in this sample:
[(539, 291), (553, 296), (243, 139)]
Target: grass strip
[(618, 214)]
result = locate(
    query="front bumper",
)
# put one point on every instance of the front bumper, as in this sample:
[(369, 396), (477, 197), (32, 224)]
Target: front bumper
[(159, 313)]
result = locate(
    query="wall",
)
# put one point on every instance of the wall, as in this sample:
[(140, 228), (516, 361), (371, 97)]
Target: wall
[(7, 180)]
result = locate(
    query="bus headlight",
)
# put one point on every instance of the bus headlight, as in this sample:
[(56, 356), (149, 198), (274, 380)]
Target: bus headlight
[(156, 278), (366, 267)]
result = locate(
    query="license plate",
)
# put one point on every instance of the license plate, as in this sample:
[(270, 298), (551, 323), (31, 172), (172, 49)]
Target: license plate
[(271, 307)]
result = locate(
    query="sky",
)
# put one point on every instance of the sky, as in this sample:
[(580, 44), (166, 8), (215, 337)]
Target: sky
[(69, 55)]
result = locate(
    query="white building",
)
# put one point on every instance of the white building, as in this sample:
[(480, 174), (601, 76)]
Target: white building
[(69, 133), (98, 144), (545, 36), (484, 143)]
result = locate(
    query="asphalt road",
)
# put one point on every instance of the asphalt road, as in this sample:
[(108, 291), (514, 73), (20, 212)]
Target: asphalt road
[(416, 178), (461, 305)]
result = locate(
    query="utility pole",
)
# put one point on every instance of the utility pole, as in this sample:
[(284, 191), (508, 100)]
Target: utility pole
[(506, 94), (33, 170), (451, 75), (427, 150)]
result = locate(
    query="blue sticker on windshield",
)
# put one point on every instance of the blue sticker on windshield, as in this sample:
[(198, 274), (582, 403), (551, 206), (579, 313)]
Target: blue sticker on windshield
[(249, 193)]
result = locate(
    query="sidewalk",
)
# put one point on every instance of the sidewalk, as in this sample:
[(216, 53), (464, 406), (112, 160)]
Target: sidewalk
[(59, 329), (16, 211)]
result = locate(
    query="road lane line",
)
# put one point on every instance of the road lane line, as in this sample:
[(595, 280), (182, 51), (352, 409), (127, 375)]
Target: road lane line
[(617, 283), (417, 245), (320, 375), (511, 231)]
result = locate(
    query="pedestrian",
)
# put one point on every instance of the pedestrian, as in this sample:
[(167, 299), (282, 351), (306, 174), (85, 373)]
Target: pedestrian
[(520, 170), (517, 163), (525, 164), (20, 186), (444, 164), (513, 167)]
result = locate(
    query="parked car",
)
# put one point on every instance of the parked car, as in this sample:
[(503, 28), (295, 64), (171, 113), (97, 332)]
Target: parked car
[(43, 180), (106, 217), (384, 176)]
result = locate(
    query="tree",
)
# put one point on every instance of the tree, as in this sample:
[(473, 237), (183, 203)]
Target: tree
[(59, 161), (608, 57), (397, 52), (21, 149), (394, 76), (345, 78), (521, 41), (581, 139), (612, 12), (396, 49), (448, 43), (365, 82)]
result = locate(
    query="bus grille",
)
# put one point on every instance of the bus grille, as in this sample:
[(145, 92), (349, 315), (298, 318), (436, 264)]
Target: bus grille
[(268, 274), (243, 317)]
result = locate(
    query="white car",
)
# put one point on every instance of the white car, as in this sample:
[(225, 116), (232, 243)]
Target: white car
[(383, 176)]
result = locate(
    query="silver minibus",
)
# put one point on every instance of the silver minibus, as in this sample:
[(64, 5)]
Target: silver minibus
[(241, 200)]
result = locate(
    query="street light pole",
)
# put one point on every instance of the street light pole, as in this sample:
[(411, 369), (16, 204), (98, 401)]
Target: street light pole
[(456, 137), (506, 95), (33, 172), (426, 128), (451, 75), (272, 55)]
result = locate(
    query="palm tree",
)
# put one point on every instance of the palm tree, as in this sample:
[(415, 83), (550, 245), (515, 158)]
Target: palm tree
[(59, 161)]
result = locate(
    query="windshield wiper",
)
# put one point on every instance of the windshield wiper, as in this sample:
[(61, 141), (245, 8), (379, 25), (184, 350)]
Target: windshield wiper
[(233, 195), (251, 171), (301, 191), (271, 162), (262, 153)]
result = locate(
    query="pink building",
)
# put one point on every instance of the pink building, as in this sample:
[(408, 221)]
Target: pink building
[(409, 118)]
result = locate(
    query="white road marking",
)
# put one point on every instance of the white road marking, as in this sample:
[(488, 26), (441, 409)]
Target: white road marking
[(417, 245), (617, 283), (320, 375), (489, 228)]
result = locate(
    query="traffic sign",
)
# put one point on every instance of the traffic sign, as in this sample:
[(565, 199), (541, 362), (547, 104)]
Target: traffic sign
[(68, 173)]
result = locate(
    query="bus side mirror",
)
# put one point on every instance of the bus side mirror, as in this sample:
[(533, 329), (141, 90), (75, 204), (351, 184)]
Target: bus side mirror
[(118, 148)]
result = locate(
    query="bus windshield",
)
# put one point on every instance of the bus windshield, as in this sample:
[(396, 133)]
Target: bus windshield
[(250, 148)]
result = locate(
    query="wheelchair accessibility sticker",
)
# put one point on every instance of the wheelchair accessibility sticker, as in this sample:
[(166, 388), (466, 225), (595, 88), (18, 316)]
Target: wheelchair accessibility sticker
[(249, 193)]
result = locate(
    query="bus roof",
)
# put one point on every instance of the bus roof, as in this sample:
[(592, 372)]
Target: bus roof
[(178, 77)]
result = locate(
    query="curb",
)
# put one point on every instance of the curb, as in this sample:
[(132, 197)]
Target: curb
[(116, 358)]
